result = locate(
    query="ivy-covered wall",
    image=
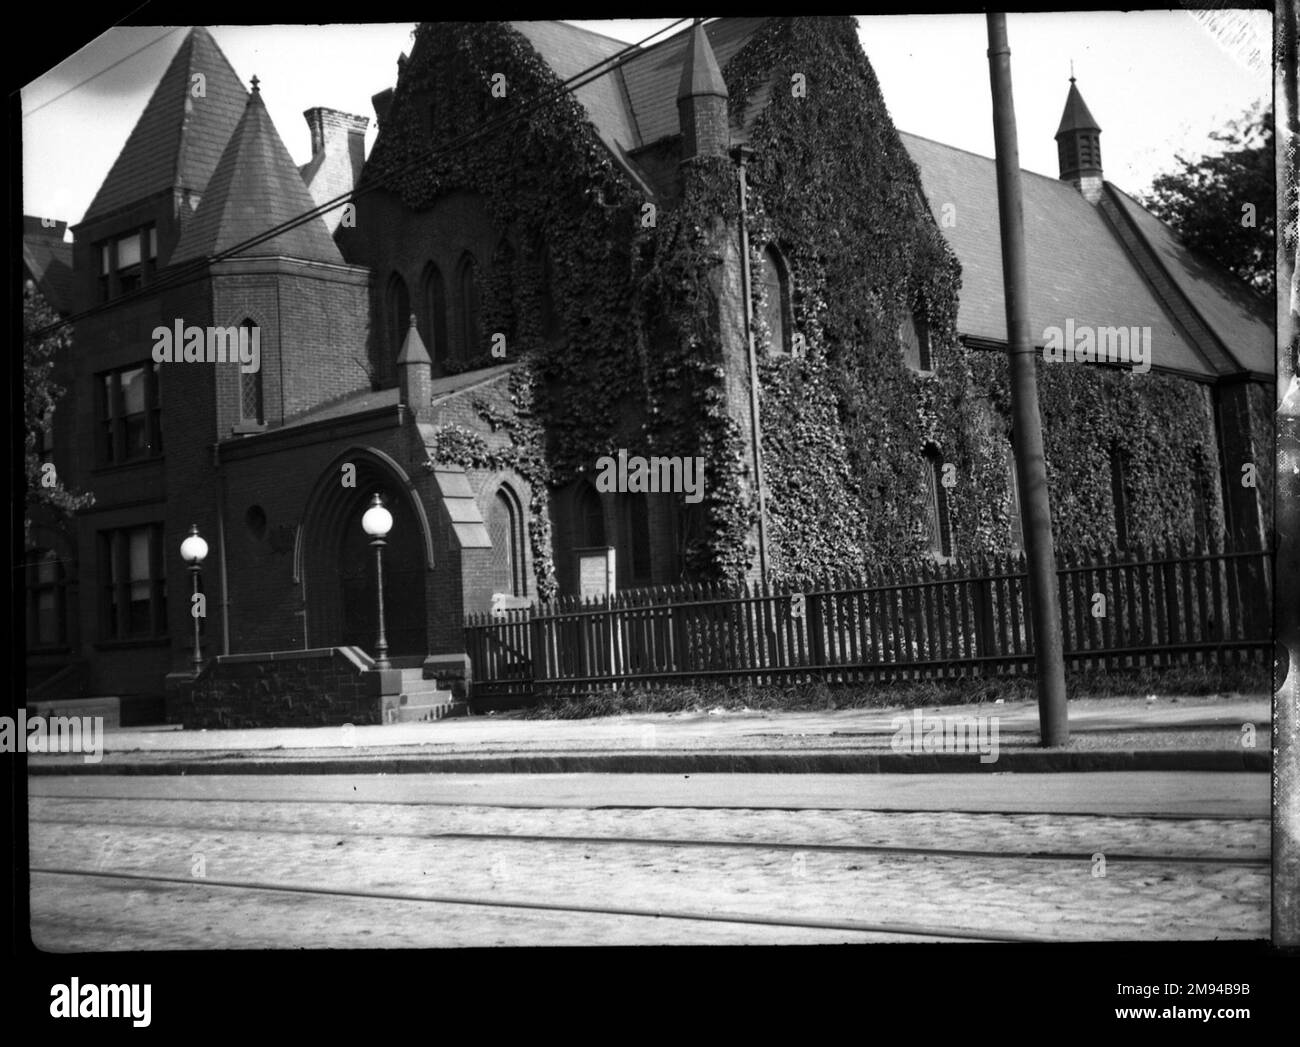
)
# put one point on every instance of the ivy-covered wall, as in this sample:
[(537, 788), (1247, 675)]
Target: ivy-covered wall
[(620, 324), (845, 426)]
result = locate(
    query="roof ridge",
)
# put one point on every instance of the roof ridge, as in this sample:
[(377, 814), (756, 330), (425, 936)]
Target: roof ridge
[(991, 159)]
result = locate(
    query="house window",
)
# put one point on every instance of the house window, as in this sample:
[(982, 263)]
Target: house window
[(938, 526), (127, 262), (47, 614), (130, 414), (470, 309), (775, 306), (506, 532), (134, 592), (434, 328), (915, 336), (250, 384)]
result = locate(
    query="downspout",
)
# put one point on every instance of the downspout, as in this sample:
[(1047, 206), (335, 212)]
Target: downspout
[(741, 153), (221, 549)]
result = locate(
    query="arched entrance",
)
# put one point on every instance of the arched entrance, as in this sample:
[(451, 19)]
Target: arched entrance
[(339, 561)]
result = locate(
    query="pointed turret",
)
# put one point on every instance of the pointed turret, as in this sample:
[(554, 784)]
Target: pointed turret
[(255, 187), (1078, 146), (415, 373), (702, 100), (179, 136)]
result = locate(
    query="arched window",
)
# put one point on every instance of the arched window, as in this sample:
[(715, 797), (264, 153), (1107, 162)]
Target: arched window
[(433, 326), (470, 308), (546, 277), (505, 527), (775, 307), (914, 333), (398, 309), (251, 409), (1119, 468), (588, 518), (1202, 517), (634, 546), (503, 275), (1013, 486), (937, 524)]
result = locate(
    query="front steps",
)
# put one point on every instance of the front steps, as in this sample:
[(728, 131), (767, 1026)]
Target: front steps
[(420, 701)]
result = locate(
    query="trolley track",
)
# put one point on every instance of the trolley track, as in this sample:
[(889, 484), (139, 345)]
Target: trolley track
[(851, 926), (687, 842)]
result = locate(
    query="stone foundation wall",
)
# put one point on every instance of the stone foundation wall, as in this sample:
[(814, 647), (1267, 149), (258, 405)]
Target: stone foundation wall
[(327, 686)]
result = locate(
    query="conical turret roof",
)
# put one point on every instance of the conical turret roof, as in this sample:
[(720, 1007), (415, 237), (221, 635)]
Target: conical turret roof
[(179, 137), (255, 187)]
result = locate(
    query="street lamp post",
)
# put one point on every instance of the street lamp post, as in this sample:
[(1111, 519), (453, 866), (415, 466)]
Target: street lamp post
[(193, 551), (377, 522)]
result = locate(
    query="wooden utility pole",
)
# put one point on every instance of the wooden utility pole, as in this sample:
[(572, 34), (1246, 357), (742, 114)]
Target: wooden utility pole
[(1031, 467)]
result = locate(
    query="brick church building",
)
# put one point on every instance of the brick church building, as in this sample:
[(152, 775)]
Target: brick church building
[(527, 281)]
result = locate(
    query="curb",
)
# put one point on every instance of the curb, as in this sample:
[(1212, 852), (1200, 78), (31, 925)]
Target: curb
[(694, 763)]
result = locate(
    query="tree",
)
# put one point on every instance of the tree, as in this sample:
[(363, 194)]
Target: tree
[(45, 491), (1223, 204)]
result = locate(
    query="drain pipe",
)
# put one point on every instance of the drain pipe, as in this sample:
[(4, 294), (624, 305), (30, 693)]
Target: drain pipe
[(221, 549), (741, 153)]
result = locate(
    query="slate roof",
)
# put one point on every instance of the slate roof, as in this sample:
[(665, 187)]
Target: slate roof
[(1239, 318), (345, 406), (178, 139), (366, 400), (569, 50), (1078, 268), (654, 75), (49, 262), (255, 187), (635, 105)]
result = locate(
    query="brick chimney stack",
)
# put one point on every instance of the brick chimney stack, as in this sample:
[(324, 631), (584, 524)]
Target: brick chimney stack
[(338, 152)]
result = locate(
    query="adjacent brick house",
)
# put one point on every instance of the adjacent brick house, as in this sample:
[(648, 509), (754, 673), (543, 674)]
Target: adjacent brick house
[(423, 345)]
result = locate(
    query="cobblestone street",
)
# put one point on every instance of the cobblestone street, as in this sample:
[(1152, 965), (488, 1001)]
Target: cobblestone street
[(244, 864)]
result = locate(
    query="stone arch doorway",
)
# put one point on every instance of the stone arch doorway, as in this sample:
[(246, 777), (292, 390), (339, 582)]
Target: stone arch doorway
[(339, 562)]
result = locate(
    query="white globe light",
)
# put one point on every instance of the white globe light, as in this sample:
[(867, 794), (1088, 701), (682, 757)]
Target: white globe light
[(378, 521), (194, 549)]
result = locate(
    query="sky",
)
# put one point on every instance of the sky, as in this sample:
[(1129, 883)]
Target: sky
[(1158, 82)]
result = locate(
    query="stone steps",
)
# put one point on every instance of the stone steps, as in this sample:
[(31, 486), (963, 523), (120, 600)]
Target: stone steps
[(421, 700)]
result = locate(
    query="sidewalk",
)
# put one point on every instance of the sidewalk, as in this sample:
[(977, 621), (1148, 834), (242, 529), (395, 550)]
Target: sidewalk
[(1118, 734)]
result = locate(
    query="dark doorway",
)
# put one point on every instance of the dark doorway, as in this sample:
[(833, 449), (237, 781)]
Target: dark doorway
[(341, 591)]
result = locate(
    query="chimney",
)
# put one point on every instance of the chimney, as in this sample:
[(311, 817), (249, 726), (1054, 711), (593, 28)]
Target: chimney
[(338, 152), (702, 100), (1078, 147), (415, 374), (43, 228), (383, 101)]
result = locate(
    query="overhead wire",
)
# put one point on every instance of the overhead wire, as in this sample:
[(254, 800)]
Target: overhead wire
[(189, 271)]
